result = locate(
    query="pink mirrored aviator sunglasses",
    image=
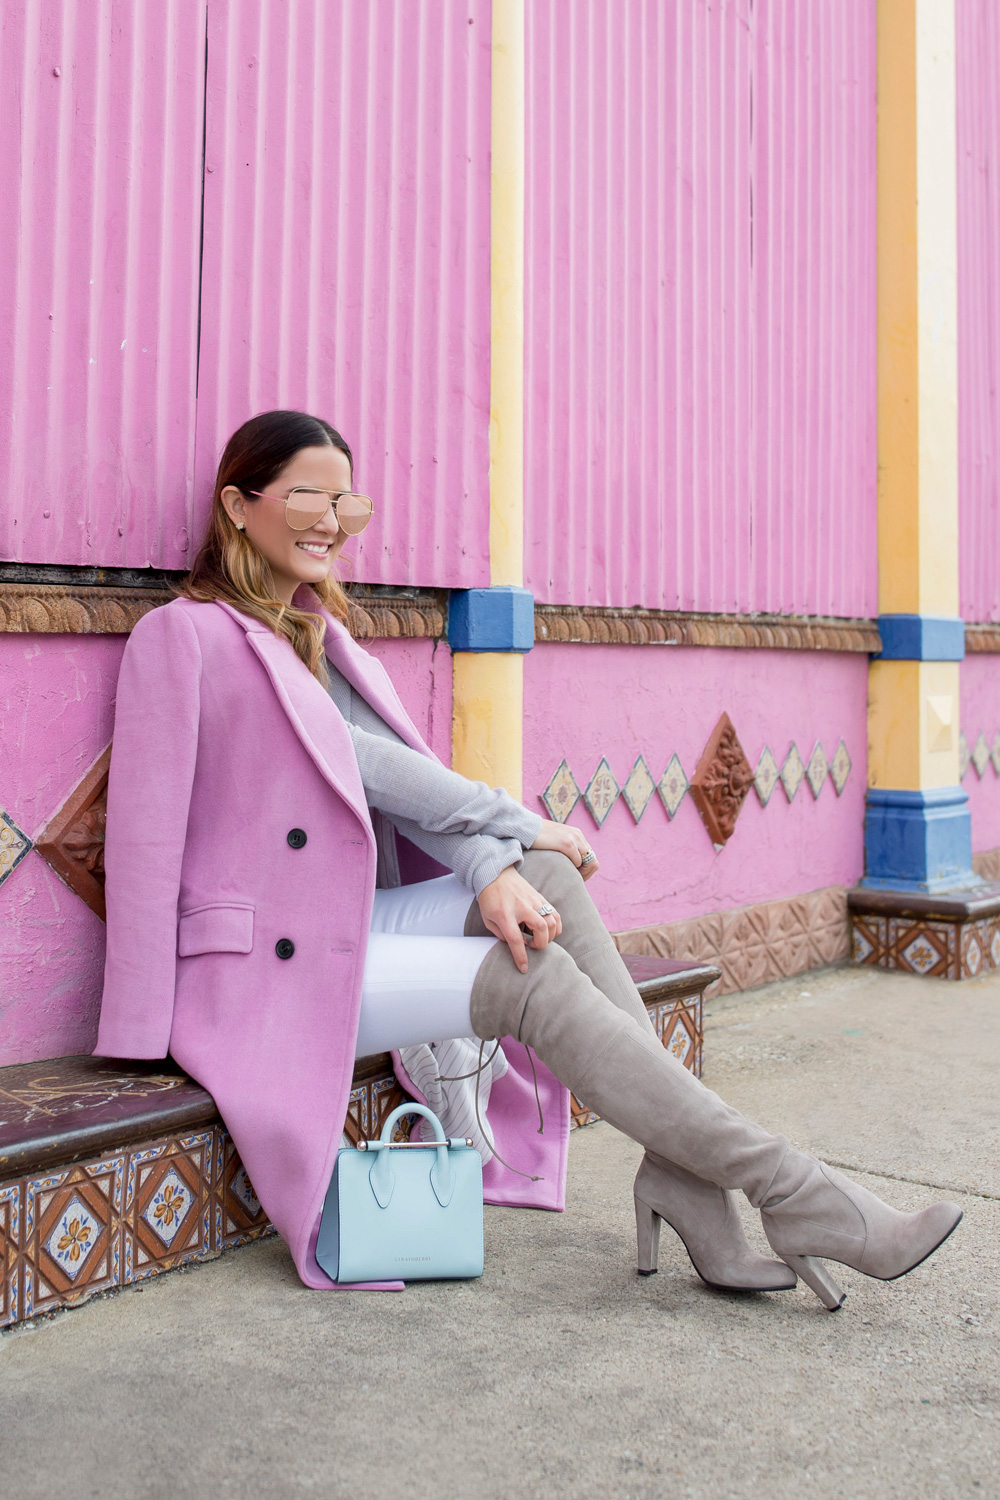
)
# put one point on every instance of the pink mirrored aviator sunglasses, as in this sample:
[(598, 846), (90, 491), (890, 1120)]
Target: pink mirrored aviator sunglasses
[(305, 507)]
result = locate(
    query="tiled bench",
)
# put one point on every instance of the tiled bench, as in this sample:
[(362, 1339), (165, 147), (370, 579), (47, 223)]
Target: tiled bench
[(113, 1171)]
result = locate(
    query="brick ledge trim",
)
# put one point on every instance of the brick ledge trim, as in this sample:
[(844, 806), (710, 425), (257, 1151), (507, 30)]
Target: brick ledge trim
[(75, 608), (86, 609), (753, 945)]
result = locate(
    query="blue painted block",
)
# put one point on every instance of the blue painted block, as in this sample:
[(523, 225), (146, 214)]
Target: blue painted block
[(918, 841), (921, 638), (497, 619)]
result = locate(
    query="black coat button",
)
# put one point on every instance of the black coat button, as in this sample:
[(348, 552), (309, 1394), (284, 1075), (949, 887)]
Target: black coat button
[(297, 837), (284, 947)]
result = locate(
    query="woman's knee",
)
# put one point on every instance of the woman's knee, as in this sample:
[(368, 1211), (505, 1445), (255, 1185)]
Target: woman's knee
[(551, 872)]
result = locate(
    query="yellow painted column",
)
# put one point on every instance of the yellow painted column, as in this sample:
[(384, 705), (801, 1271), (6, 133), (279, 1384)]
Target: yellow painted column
[(488, 684), (917, 813)]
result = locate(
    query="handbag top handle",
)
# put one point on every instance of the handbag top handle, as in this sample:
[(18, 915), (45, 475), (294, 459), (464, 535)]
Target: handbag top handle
[(382, 1177)]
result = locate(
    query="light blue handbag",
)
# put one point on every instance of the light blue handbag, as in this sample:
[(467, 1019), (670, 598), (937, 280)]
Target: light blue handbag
[(404, 1210)]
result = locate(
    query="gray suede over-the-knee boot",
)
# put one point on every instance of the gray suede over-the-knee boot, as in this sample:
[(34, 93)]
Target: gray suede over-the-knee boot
[(605, 1057), (703, 1215)]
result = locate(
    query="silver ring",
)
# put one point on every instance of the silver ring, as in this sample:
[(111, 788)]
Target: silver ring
[(588, 857), (546, 910)]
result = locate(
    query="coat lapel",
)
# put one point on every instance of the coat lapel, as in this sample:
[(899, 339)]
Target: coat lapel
[(367, 676), (309, 710)]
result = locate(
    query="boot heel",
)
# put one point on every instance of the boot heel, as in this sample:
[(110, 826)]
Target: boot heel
[(817, 1277), (647, 1229)]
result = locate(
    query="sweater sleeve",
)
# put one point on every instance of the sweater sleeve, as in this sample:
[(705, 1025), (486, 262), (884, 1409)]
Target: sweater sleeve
[(475, 830)]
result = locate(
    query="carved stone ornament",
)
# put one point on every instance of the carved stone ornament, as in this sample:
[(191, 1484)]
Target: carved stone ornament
[(73, 842), (720, 784), (602, 625)]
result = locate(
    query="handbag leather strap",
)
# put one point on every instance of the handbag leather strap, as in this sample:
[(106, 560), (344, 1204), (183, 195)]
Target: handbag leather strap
[(383, 1179)]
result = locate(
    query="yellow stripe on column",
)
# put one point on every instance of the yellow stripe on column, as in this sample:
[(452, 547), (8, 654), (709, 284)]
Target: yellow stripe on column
[(487, 723)]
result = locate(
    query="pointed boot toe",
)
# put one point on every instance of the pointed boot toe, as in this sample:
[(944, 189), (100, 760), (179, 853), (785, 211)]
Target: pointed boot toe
[(826, 1216)]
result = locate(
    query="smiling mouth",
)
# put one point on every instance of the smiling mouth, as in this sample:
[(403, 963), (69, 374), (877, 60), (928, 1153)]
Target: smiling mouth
[(315, 549)]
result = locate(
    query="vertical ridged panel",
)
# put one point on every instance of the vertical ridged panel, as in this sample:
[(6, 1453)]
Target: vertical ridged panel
[(978, 127), (814, 297), (347, 253), (700, 356), (100, 182)]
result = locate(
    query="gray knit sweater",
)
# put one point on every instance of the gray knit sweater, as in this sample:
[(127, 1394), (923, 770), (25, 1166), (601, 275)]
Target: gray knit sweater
[(472, 829)]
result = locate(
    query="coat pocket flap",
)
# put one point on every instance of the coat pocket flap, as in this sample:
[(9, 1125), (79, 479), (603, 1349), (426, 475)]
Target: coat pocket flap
[(215, 929)]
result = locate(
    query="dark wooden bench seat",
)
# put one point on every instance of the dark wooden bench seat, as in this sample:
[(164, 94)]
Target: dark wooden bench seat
[(113, 1171)]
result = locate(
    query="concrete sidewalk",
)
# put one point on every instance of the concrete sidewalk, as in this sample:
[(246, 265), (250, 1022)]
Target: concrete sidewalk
[(562, 1373)]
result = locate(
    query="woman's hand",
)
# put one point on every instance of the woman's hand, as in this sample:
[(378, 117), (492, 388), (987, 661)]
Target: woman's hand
[(570, 841), (507, 903)]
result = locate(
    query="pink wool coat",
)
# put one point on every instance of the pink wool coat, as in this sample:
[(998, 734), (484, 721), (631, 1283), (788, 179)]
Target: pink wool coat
[(224, 742)]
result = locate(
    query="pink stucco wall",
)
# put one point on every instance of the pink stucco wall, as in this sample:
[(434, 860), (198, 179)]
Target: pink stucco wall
[(981, 714), (56, 716), (700, 304), (56, 695), (584, 702)]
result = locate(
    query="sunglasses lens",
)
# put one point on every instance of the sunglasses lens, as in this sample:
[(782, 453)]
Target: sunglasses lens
[(353, 513), (305, 508)]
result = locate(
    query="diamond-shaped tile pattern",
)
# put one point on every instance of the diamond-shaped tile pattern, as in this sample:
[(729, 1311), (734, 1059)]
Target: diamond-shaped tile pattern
[(817, 770), (995, 752), (672, 786), (562, 793), (721, 782), (602, 793), (638, 789), (73, 841), (793, 772), (766, 776), (840, 768), (74, 1237), (980, 754), (14, 845), (168, 1208)]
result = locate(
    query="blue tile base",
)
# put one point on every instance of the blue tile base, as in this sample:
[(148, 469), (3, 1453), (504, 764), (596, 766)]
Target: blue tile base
[(918, 841)]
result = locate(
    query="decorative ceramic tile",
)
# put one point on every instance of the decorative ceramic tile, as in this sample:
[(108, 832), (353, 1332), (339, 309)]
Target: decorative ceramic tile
[(638, 789), (840, 768), (71, 1234), (167, 1209), (239, 1214), (920, 955), (995, 752), (74, 1237), (14, 845), (972, 956), (861, 945), (766, 776), (562, 794), (817, 770), (679, 1041), (168, 1196), (994, 949), (722, 779), (792, 772), (672, 786), (73, 841), (963, 755), (602, 793), (980, 754), (10, 1242)]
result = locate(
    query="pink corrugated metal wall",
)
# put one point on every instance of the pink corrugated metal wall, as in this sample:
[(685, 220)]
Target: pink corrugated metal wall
[(347, 253), (700, 360), (100, 182), (978, 126), (346, 266)]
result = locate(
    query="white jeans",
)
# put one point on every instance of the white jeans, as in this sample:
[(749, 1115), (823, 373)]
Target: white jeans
[(420, 968)]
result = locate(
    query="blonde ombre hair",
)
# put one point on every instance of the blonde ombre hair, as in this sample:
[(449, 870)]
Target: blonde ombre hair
[(228, 565)]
